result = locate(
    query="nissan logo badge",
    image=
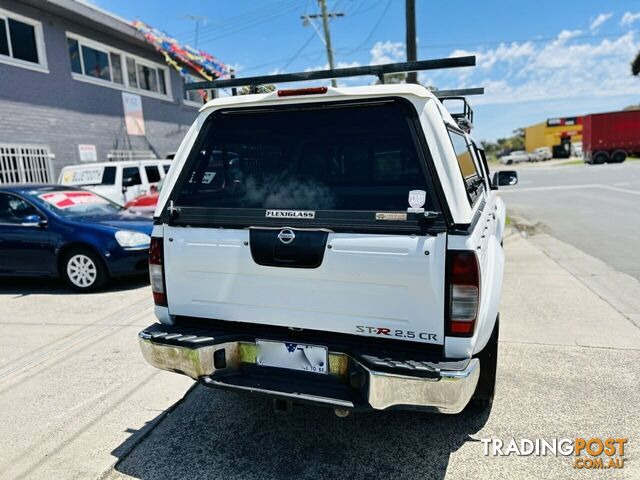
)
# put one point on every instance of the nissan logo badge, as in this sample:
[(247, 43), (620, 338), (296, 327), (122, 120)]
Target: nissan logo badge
[(286, 236)]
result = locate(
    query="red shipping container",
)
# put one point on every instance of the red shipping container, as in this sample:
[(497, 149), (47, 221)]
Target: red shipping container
[(611, 136)]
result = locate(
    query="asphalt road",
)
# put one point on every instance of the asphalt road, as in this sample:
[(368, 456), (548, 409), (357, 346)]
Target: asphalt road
[(596, 208)]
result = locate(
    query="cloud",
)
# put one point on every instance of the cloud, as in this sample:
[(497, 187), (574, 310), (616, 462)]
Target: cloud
[(599, 20), (569, 66), (508, 53), (628, 18), (387, 52)]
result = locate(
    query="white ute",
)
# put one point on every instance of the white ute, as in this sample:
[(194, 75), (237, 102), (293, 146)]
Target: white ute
[(333, 246)]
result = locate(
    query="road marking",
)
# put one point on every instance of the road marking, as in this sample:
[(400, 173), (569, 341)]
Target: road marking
[(625, 190), (570, 187), (542, 189)]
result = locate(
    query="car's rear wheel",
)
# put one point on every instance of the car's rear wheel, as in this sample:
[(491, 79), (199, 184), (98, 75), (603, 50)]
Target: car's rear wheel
[(83, 270), (600, 157), (483, 396), (618, 156)]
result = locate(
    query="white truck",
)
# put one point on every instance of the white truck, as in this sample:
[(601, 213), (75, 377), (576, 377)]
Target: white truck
[(333, 246), (119, 181)]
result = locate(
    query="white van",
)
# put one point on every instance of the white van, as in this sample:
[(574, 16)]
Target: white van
[(117, 181)]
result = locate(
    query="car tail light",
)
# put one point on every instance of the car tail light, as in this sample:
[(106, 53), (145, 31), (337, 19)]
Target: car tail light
[(156, 271), (293, 92), (464, 292)]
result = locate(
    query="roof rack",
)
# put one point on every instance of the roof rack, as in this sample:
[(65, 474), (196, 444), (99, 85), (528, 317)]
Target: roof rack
[(464, 119), (457, 93), (376, 70)]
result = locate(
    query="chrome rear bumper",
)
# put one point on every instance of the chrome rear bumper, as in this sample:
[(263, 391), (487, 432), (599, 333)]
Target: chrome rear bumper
[(445, 387)]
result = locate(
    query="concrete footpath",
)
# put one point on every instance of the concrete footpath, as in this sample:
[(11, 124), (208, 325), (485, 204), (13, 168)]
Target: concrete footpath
[(73, 385), (569, 364)]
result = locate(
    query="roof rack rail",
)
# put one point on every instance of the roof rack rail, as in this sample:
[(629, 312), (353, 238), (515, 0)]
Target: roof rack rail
[(457, 93), (376, 70)]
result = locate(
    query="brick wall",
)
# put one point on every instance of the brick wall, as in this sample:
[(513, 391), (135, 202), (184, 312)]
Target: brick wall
[(56, 110)]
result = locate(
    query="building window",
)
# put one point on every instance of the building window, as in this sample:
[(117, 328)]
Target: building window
[(116, 67), (131, 72), (74, 55), (194, 97), (96, 63), (21, 41), (153, 174), (20, 163), (91, 60)]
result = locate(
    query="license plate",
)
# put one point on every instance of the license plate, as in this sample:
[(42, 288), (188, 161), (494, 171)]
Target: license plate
[(295, 356)]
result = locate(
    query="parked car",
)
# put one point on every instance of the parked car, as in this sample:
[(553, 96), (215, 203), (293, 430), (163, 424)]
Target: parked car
[(542, 154), (611, 137), (145, 203), (57, 231), (516, 156), (119, 181), (348, 256)]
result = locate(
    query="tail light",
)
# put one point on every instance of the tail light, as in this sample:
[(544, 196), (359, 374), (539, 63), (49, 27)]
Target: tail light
[(464, 292), (156, 271)]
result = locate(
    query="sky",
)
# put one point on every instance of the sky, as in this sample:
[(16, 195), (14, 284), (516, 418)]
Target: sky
[(536, 59)]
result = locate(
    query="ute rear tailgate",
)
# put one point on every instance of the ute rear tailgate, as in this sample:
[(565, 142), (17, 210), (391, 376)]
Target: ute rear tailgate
[(310, 216), (374, 285)]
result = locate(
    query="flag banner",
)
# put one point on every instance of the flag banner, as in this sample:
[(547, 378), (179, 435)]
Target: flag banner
[(180, 56)]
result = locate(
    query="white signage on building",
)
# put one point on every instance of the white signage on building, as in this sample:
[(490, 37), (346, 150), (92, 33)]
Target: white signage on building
[(88, 153), (133, 117)]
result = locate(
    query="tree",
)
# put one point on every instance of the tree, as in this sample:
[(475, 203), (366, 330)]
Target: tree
[(517, 140), (635, 65)]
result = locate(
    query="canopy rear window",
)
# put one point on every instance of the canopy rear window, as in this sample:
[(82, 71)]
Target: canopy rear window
[(338, 158), (350, 158)]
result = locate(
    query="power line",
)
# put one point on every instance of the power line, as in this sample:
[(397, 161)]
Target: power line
[(295, 55), (241, 19), (197, 19), (373, 30), (217, 35)]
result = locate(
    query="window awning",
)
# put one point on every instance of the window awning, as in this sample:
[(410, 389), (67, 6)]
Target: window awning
[(182, 56)]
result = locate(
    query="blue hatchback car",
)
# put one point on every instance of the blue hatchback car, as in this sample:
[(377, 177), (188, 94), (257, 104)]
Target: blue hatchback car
[(57, 231)]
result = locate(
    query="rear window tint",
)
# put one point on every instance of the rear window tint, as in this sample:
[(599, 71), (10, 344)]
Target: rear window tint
[(109, 176), (131, 176), (153, 174), (317, 158), (472, 178)]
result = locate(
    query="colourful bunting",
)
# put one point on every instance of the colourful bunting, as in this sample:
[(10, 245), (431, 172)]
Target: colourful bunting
[(178, 56)]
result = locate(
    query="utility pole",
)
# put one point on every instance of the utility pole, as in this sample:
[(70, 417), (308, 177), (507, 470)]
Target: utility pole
[(412, 51), (327, 37), (197, 19), (308, 19)]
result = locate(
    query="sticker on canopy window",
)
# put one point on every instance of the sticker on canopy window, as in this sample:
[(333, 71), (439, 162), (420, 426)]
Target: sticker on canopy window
[(417, 198), (68, 199), (208, 177)]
